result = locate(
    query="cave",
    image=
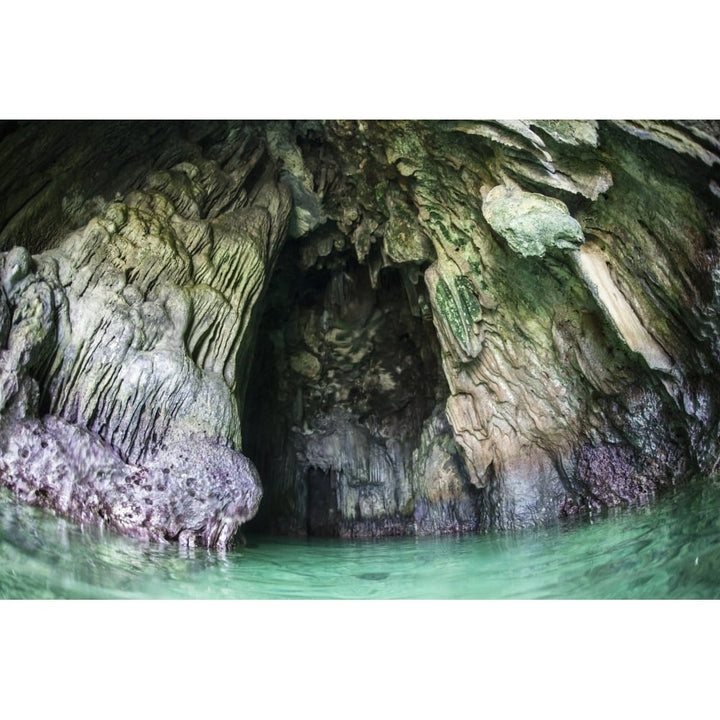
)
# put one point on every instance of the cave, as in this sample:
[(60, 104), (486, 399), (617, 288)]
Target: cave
[(354, 328), (585, 431), (346, 375)]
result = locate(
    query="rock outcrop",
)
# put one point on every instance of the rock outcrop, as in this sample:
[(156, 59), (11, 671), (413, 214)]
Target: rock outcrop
[(136, 328), (195, 492), (409, 327)]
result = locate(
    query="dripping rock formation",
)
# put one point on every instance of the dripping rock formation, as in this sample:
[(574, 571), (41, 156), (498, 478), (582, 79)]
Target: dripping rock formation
[(407, 327)]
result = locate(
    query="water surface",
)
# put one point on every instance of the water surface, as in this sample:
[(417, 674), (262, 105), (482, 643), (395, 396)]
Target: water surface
[(668, 550)]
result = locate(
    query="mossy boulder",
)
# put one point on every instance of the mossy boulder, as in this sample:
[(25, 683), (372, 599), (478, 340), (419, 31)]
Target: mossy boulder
[(531, 223)]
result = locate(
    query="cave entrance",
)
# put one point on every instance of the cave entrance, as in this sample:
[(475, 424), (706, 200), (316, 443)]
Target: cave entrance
[(346, 372)]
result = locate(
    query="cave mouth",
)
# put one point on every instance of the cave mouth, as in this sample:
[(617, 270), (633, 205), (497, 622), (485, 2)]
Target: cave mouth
[(345, 375)]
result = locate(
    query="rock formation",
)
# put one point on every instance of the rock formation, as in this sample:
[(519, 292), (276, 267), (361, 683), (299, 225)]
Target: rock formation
[(408, 327), (135, 328)]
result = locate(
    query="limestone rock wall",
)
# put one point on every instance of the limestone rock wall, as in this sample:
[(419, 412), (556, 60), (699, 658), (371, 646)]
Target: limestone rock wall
[(569, 269), (472, 324), (137, 327)]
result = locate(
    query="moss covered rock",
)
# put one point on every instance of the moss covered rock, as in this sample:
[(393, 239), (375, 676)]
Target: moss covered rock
[(531, 223)]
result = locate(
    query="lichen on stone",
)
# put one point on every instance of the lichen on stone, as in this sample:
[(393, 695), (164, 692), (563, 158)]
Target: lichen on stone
[(531, 223)]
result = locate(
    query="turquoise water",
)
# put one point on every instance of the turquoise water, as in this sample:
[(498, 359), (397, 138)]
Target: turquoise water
[(668, 550)]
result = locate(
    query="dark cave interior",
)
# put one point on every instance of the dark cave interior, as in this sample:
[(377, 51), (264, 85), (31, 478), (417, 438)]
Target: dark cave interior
[(346, 372)]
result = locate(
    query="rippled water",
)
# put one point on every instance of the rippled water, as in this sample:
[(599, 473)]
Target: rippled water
[(668, 550)]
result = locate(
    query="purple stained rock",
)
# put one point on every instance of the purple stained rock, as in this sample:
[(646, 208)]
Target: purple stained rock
[(195, 491)]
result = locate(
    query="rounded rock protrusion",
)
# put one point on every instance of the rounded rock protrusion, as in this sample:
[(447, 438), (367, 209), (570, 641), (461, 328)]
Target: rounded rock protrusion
[(531, 223)]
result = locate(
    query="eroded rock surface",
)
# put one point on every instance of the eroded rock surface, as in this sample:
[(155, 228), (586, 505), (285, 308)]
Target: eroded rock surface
[(194, 492), (569, 270), (472, 324), (136, 328)]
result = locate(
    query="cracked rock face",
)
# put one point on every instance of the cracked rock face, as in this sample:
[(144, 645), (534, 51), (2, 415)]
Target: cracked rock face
[(409, 327)]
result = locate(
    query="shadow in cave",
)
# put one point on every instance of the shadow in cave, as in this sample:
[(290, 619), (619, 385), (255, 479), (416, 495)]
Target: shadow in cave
[(346, 372)]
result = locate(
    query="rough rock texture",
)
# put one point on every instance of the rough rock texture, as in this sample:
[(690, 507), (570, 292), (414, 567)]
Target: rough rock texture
[(442, 326), (195, 493), (569, 270), (531, 223), (136, 327)]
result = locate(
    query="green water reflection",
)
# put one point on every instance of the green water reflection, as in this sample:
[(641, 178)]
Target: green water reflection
[(669, 550)]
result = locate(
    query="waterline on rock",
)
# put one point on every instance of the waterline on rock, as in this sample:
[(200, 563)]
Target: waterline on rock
[(668, 550)]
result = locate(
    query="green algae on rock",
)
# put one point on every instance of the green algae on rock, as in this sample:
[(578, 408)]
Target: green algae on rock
[(531, 223)]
